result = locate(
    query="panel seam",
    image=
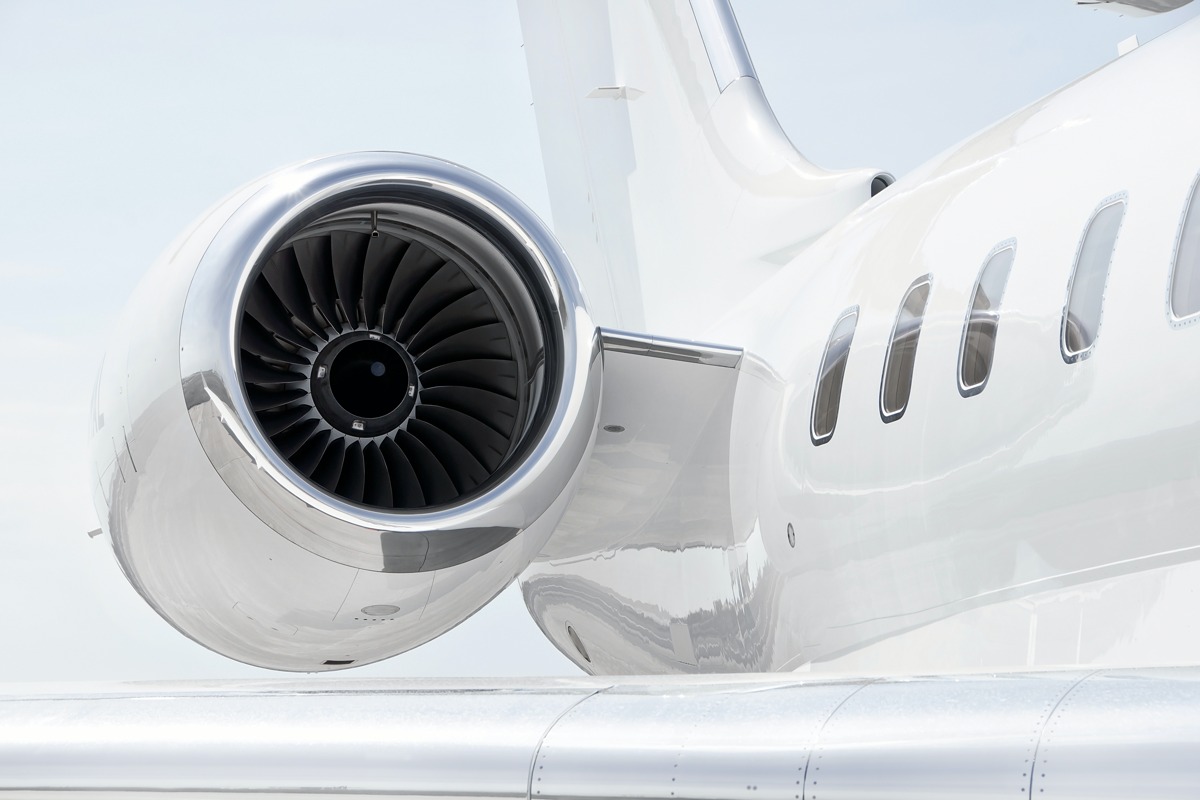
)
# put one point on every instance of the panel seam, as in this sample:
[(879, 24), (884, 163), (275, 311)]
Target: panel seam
[(812, 748), (1046, 723), (537, 749)]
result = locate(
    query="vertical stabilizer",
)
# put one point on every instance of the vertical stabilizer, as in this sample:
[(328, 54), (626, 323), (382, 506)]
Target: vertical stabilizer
[(672, 186)]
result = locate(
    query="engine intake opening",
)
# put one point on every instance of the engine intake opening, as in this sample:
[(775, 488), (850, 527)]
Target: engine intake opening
[(880, 182), (395, 356)]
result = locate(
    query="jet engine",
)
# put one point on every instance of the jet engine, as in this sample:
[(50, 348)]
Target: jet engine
[(344, 411)]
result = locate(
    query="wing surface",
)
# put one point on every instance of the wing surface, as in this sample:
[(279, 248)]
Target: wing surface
[(1075, 734)]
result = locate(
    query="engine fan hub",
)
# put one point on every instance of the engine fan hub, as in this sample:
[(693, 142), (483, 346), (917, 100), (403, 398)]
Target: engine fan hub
[(364, 384)]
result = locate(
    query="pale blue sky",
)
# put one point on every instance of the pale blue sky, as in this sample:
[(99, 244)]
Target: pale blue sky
[(120, 122)]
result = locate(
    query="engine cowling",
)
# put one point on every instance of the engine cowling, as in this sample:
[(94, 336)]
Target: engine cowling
[(344, 411)]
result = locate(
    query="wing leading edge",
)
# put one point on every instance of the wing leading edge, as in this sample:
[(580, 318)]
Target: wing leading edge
[(1074, 734)]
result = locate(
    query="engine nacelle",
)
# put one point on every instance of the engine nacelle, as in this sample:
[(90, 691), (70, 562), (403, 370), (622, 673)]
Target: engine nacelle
[(344, 411)]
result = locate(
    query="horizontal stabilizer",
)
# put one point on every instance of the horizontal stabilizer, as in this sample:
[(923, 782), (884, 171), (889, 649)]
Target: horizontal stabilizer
[(1135, 7)]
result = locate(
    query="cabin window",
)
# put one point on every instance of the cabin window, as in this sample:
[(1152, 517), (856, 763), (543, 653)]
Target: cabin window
[(828, 395), (983, 321), (1085, 293), (902, 351), (1185, 271)]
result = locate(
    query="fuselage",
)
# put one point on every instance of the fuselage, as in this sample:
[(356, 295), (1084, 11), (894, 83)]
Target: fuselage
[(1046, 518)]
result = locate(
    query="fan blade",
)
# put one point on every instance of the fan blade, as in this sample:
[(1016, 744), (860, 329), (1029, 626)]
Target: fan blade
[(288, 442), (495, 375), (467, 312), (266, 308), (487, 446), (283, 276), (353, 480), (378, 490), (349, 249), (435, 481), (496, 411), (406, 488), (317, 268), (464, 469), (487, 341), (379, 265), (255, 371), (447, 285), (262, 398), (309, 454), (330, 467), (416, 270), (259, 341), (274, 422)]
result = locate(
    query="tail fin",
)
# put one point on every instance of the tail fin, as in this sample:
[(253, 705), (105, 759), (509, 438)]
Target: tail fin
[(673, 188)]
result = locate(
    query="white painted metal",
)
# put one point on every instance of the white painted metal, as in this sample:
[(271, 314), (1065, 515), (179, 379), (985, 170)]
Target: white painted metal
[(691, 189), (221, 536), (1066, 734), (1047, 520), (1045, 517)]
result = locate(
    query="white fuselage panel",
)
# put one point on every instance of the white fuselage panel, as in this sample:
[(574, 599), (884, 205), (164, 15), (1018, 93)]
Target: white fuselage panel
[(1048, 519)]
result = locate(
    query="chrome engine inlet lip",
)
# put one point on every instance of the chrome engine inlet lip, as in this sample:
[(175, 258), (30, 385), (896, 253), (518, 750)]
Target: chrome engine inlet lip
[(270, 487)]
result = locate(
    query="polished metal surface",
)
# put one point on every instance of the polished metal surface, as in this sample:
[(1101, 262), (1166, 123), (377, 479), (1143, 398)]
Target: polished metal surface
[(432, 194), (652, 511), (1047, 522), (1080, 734), (715, 355), (217, 531)]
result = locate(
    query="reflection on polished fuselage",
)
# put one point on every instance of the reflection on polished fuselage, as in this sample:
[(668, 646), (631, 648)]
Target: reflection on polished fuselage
[(950, 427), (1046, 519), (951, 424)]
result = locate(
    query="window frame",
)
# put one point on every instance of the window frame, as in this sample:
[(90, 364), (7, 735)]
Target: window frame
[(1193, 196), (1072, 356), (852, 311), (974, 389), (924, 280)]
